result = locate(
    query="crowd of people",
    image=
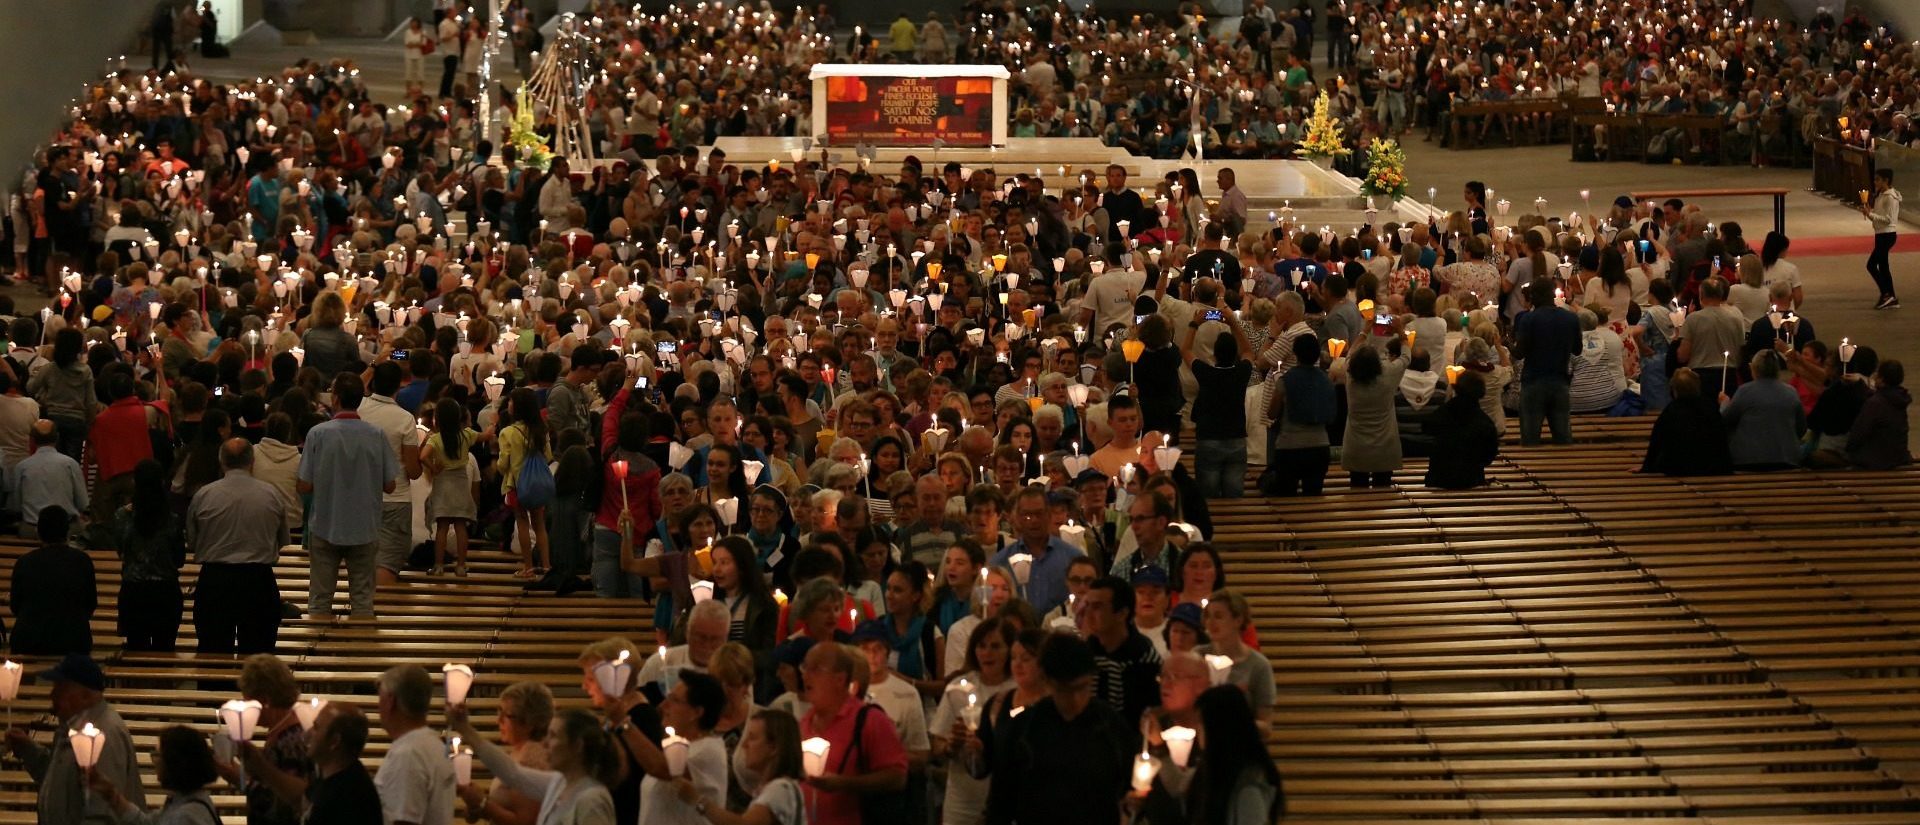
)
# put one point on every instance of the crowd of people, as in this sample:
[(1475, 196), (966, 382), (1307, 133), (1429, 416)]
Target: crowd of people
[(1241, 86), (893, 455)]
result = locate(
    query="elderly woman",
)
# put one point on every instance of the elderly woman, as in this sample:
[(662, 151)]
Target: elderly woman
[(267, 680), (1599, 371), (524, 715), (584, 759), (1765, 419)]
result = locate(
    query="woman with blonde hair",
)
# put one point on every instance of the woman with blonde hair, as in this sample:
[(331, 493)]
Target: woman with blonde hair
[(525, 713), (330, 348)]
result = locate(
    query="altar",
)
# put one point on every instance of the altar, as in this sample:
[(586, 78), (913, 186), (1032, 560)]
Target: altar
[(907, 105)]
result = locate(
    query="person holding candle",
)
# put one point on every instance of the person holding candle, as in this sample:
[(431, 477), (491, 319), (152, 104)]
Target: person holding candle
[(1066, 758), (1227, 616), (524, 716), (770, 752), (339, 791), (1236, 783), (1547, 338), (584, 762), (958, 716), (1878, 438), (1046, 585), (689, 712), (706, 628), (1884, 213), (416, 778), (1709, 337), (78, 700), (183, 765), (635, 490), (867, 765), (267, 680)]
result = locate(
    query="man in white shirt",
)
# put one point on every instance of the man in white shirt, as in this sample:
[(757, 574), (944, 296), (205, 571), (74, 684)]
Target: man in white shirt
[(403, 435), (895, 695), (416, 778), (449, 32), (1109, 299), (556, 195)]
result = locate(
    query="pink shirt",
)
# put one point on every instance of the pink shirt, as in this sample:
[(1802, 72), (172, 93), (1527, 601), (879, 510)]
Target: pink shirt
[(879, 750)]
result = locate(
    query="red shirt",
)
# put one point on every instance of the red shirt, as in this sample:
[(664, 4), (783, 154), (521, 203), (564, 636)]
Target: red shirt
[(119, 437), (642, 495), (879, 750)]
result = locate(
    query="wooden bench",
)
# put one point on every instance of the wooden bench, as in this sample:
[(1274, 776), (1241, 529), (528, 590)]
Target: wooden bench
[(1779, 196)]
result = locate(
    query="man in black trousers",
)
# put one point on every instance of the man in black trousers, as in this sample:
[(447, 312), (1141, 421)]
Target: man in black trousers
[(54, 594), (236, 527)]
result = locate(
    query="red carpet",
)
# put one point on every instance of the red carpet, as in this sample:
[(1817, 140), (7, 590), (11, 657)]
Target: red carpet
[(1852, 245)]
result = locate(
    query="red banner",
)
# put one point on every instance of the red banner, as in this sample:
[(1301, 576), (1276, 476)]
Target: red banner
[(909, 111)]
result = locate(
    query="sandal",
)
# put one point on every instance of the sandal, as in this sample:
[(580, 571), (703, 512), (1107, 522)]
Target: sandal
[(524, 573)]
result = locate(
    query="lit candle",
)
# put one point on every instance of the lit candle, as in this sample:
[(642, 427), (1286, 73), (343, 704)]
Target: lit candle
[(239, 716), (308, 711), (462, 764), (675, 747), (611, 677), (1144, 770), (87, 744), (620, 474), (1217, 669), (813, 756)]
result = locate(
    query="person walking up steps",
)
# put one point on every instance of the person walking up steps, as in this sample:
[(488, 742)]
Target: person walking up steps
[(1884, 211)]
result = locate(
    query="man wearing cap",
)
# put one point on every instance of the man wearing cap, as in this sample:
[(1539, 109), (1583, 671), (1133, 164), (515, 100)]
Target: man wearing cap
[(1046, 585), (1150, 606), (78, 701)]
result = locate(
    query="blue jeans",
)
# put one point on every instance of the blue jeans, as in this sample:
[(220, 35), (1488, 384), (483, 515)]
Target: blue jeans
[(1221, 466), (1545, 398), (608, 581)]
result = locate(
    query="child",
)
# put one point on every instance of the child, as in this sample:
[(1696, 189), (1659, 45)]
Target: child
[(450, 505)]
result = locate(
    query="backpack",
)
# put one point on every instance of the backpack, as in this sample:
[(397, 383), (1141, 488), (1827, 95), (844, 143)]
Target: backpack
[(534, 486), (887, 806)]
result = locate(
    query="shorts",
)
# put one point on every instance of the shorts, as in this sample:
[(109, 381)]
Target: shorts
[(395, 541)]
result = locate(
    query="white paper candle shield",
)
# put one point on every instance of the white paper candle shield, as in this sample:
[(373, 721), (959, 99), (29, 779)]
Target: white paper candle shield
[(238, 717), (702, 591), (813, 755), (87, 743), (459, 681), (308, 711), (10, 674), (1022, 564), (675, 749), (1179, 744), (612, 676), (678, 455), (1217, 669)]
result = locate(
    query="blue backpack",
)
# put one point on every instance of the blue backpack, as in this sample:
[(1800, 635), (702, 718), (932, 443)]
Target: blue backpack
[(534, 486)]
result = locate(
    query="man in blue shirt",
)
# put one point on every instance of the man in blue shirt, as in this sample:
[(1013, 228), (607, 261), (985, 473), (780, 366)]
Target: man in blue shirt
[(1046, 585), (46, 478), (420, 365), (1548, 337), (348, 467), (263, 200)]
